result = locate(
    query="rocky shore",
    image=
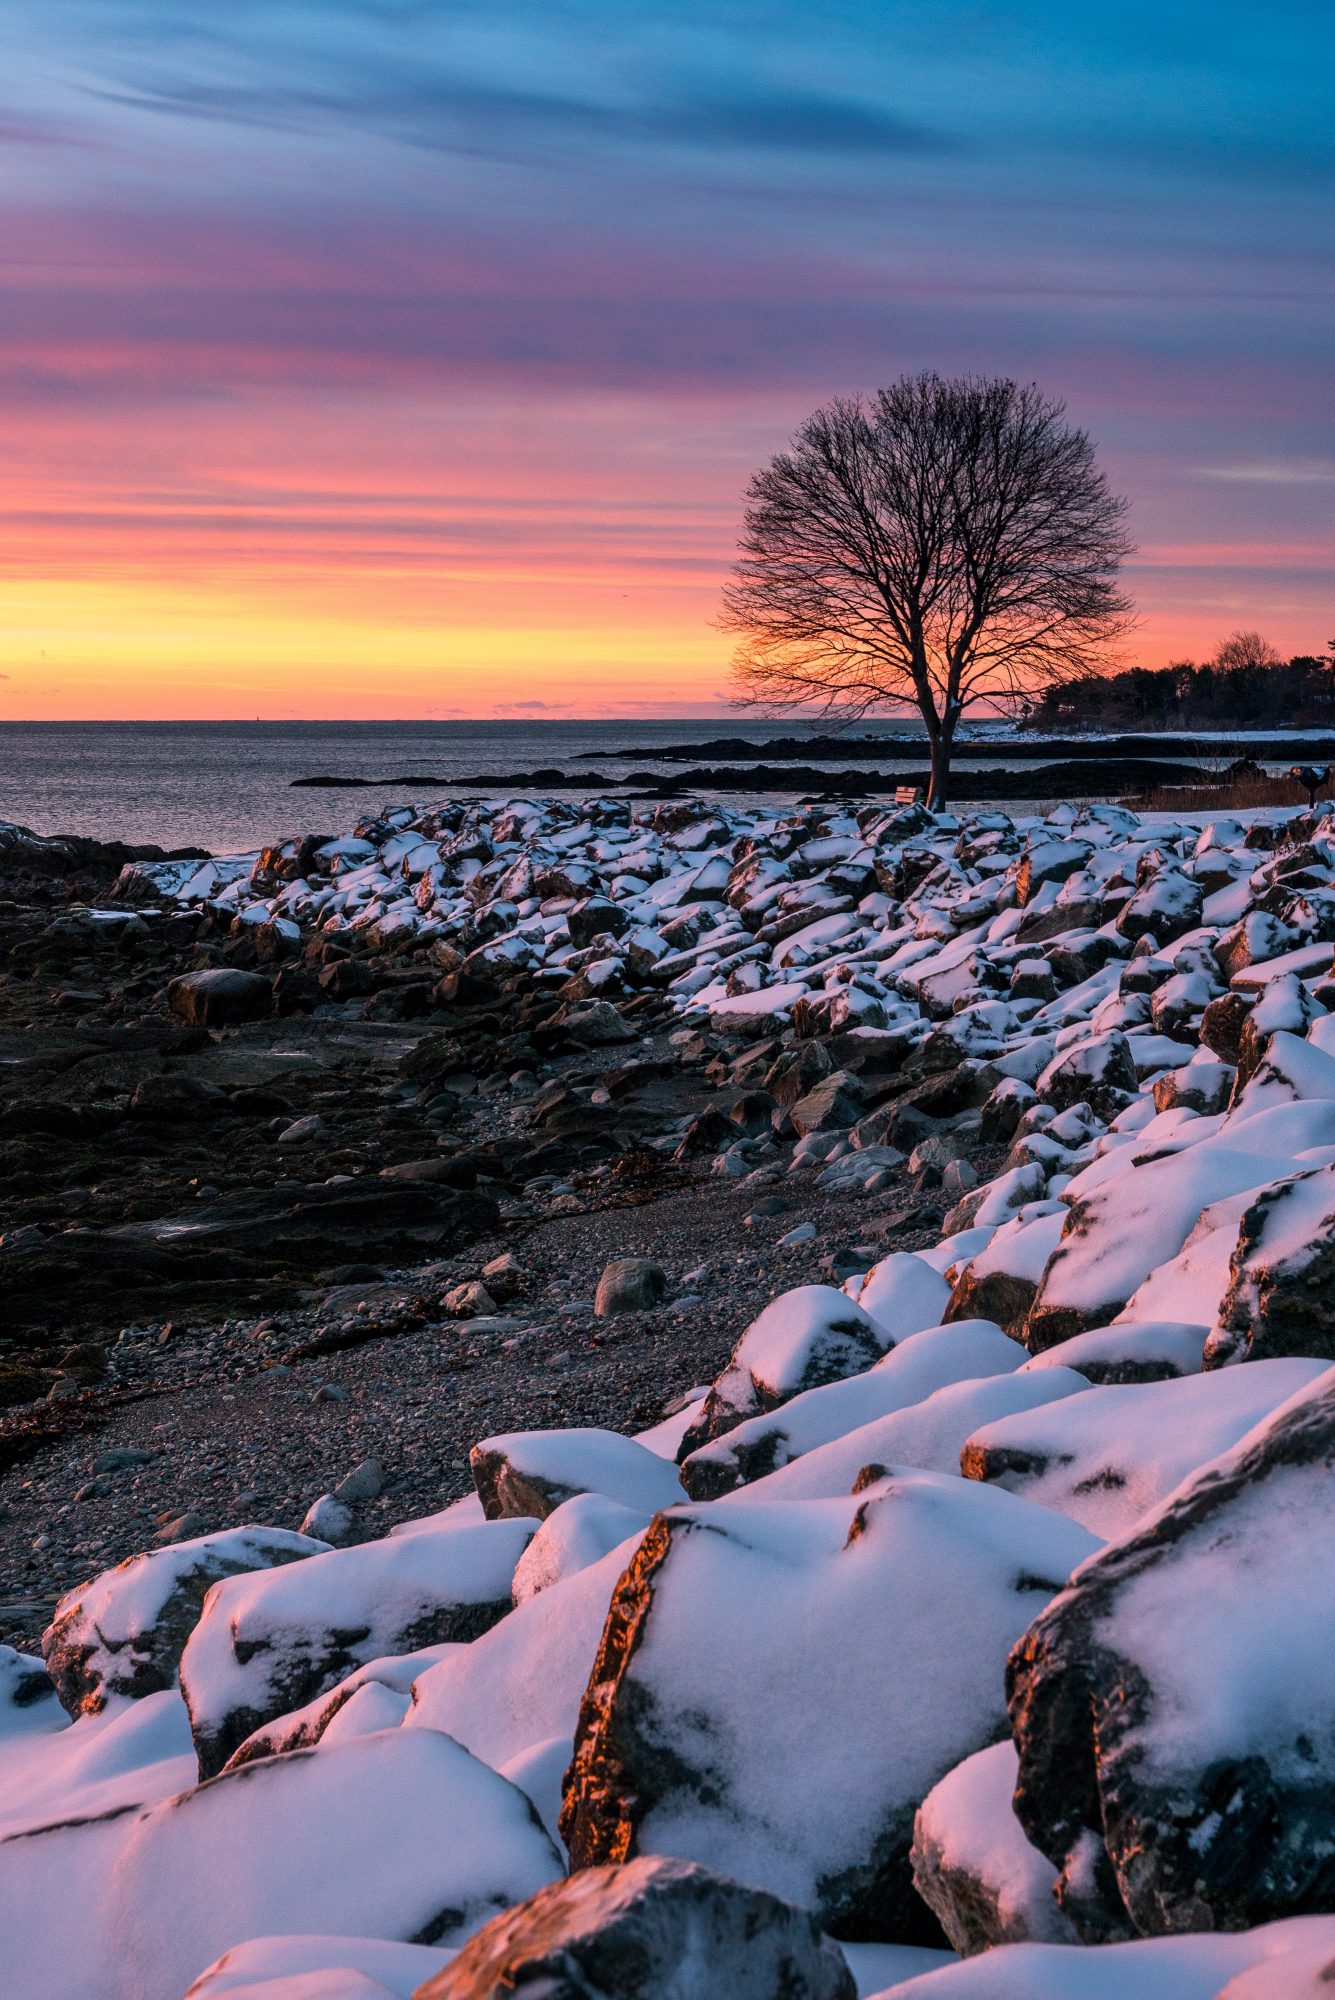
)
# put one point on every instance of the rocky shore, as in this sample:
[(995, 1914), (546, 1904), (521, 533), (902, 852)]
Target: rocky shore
[(688, 1400)]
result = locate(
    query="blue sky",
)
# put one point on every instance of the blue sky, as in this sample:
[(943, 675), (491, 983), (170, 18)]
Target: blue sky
[(647, 238)]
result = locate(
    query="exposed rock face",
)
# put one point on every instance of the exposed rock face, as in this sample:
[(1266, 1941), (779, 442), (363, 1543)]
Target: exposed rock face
[(654, 1926), (697, 1737), (219, 997), (1173, 1709), (831, 1105), (124, 1633), (1281, 1294)]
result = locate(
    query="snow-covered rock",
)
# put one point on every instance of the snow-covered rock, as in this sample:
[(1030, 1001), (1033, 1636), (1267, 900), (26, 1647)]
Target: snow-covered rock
[(1174, 1709), (910, 1372), (698, 1733), (973, 1866), (805, 1338), (123, 1633), (529, 1474), (1107, 1456), (273, 1640), (399, 1836)]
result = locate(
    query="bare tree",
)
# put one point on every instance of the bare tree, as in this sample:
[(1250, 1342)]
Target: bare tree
[(943, 543), (1245, 652)]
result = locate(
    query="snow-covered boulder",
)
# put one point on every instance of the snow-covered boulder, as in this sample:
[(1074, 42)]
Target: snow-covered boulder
[(574, 1536), (1002, 1280), (1149, 1350), (123, 1633), (1124, 1227), (973, 1866), (802, 1339), (1107, 1456), (653, 1926), (528, 1474), (399, 1836), (746, 1646), (929, 1435), (903, 1293), (272, 1641), (1098, 1071), (1174, 1709), (521, 1684), (1281, 1292), (376, 1696), (931, 1360)]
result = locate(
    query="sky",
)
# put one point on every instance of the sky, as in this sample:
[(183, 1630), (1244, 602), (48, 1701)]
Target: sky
[(410, 357)]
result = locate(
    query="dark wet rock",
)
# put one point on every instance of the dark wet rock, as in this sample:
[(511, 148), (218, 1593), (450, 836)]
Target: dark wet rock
[(219, 997), (653, 1926)]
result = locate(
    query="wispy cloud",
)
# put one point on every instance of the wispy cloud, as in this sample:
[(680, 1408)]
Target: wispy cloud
[(1275, 472)]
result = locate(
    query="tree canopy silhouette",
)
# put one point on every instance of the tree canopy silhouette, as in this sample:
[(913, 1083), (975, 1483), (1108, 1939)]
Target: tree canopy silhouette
[(933, 546)]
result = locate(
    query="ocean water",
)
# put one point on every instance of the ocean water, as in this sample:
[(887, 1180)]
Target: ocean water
[(227, 786)]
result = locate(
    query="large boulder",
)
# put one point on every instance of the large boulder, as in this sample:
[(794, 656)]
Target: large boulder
[(831, 1105), (906, 1375), (269, 1643), (1280, 1297), (124, 1633), (1174, 1710), (630, 1284), (1099, 1071), (220, 997), (1124, 1228), (802, 1339), (726, 1719), (532, 1473), (1109, 1455), (399, 1835), (654, 1926), (1166, 907)]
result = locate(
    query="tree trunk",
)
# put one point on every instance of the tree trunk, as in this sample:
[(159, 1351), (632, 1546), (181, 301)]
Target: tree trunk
[(943, 742)]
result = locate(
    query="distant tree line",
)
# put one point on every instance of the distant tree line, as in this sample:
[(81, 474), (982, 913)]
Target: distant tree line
[(1247, 684)]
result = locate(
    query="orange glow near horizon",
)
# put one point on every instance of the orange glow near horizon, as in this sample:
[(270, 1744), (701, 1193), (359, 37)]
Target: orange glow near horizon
[(379, 558)]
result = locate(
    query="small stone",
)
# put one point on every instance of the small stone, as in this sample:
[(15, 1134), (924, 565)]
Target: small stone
[(303, 1131), (630, 1284), (364, 1482), (469, 1301), (957, 1177), (181, 1529), (122, 1459), (805, 1232), (328, 1519), (330, 1392)]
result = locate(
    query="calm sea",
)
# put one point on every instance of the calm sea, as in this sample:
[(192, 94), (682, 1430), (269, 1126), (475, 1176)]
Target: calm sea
[(228, 786)]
